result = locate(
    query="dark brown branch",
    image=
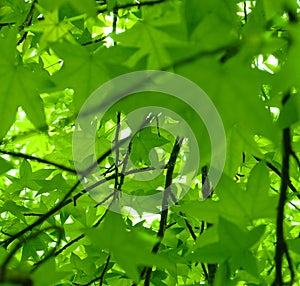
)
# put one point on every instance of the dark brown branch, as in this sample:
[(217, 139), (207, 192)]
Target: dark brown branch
[(281, 247), (164, 212), (40, 160)]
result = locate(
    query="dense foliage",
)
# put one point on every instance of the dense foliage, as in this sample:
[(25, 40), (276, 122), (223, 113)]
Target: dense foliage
[(55, 230)]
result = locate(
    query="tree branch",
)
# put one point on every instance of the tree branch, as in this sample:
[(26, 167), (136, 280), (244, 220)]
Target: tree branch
[(281, 247), (40, 160), (164, 212)]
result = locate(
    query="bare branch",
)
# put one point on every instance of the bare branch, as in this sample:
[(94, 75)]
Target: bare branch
[(37, 159), (164, 212), (281, 247)]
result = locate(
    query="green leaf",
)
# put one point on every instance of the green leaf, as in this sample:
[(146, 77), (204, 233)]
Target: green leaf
[(25, 170), (111, 4), (290, 112), (222, 275), (4, 166), (20, 86), (114, 237), (258, 202), (294, 245), (53, 276), (233, 241), (15, 209), (84, 71), (144, 35), (142, 144), (52, 29)]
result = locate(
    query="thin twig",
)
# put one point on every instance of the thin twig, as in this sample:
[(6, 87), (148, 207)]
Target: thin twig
[(37, 159), (69, 244), (296, 158), (293, 205), (278, 173), (117, 154), (94, 41), (130, 5), (99, 278), (27, 22), (245, 12), (32, 214)]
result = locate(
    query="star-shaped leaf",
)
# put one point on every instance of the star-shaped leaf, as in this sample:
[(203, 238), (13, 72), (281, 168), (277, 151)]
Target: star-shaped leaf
[(233, 243), (20, 86), (84, 70)]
